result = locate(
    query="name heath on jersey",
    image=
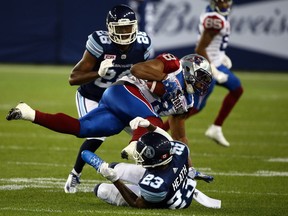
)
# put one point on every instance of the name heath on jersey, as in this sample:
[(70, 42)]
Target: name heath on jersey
[(179, 178)]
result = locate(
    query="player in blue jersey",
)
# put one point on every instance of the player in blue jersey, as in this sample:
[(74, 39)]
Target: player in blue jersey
[(214, 31), (130, 97), (108, 57), (162, 178)]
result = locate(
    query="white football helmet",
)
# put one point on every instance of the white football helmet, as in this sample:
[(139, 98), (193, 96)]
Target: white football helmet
[(197, 73)]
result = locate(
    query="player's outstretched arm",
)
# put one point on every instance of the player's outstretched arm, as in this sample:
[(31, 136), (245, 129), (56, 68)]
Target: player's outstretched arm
[(141, 122)]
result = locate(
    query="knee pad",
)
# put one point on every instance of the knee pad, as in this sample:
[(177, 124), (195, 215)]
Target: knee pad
[(110, 194)]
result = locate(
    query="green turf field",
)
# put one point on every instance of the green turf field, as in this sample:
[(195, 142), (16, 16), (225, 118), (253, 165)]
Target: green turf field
[(250, 176)]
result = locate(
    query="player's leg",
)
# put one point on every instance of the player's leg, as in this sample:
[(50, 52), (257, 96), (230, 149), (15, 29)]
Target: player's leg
[(58, 122), (234, 86), (73, 179), (131, 104), (127, 172), (99, 122), (118, 106), (110, 194), (83, 105), (96, 123)]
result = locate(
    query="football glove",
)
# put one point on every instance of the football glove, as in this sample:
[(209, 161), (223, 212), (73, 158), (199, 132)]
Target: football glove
[(227, 62), (139, 122), (171, 87), (176, 105), (108, 172), (219, 76), (104, 66)]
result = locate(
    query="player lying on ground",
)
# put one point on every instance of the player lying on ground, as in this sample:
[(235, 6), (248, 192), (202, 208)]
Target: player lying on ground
[(163, 180)]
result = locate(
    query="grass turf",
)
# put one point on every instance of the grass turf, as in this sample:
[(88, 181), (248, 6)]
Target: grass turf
[(250, 176)]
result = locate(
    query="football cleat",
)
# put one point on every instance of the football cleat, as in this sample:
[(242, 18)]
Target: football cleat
[(203, 177), (128, 151), (196, 175), (14, 114), (21, 111), (92, 159), (214, 132), (72, 182), (124, 154)]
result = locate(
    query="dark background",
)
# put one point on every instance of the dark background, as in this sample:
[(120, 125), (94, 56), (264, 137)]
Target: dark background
[(55, 32)]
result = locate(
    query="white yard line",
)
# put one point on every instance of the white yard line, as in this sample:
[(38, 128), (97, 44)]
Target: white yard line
[(282, 160), (88, 185)]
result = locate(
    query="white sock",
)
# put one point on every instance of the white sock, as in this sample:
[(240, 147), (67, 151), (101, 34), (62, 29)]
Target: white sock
[(27, 112), (75, 173)]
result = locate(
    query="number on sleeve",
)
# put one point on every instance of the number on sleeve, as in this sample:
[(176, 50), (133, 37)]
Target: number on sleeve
[(178, 148), (213, 23), (142, 38), (169, 57), (103, 37)]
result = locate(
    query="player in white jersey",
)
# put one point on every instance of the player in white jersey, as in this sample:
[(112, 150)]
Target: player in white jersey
[(162, 178), (214, 32), (108, 57)]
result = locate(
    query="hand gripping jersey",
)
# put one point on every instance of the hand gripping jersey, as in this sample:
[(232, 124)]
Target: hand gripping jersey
[(172, 67), (101, 47), (170, 187), (214, 21)]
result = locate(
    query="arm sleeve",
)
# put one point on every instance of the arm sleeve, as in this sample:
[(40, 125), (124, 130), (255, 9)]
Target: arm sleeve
[(171, 62), (94, 47), (213, 22)]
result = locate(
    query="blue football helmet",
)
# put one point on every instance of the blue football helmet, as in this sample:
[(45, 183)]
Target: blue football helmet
[(224, 8), (197, 73), (122, 25), (152, 150)]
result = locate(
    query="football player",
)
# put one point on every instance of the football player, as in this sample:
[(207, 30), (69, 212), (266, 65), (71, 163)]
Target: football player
[(108, 57), (214, 32), (131, 97), (161, 179)]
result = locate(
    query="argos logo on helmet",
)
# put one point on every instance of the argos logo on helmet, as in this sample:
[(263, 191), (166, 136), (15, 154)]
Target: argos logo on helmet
[(149, 152)]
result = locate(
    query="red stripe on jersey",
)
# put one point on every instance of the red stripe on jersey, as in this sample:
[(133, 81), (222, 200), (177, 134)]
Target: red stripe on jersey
[(137, 93), (171, 62)]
